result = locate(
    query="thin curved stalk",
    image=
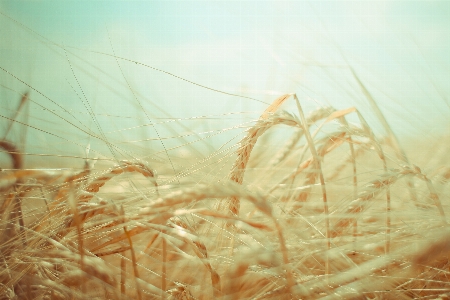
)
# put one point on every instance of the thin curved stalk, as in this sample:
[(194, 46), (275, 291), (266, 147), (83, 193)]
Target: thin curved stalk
[(322, 181)]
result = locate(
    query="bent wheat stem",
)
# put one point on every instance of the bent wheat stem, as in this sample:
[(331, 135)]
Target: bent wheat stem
[(312, 148)]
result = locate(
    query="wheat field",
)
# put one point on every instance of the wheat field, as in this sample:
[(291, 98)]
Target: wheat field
[(285, 201)]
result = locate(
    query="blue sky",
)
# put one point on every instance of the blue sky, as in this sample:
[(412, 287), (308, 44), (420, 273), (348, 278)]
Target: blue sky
[(259, 49)]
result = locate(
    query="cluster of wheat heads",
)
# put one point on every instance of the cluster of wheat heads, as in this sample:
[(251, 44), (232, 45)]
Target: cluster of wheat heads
[(336, 212)]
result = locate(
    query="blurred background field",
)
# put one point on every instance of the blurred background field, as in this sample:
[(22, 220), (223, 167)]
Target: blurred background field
[(65, 52)]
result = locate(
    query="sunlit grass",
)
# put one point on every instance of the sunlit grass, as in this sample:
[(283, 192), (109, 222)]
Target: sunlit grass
[(285, 202)]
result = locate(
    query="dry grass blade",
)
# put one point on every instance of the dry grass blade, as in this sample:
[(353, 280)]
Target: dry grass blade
[(202, 253), (133, 259), (130, 233), (15, 154), (123, 275), (73, 206), (22, 102)]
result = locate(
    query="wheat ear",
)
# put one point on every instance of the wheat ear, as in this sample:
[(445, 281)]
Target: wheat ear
[(246, 147), (369, 133), (391, 136), (125, 166), (225, 191)]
